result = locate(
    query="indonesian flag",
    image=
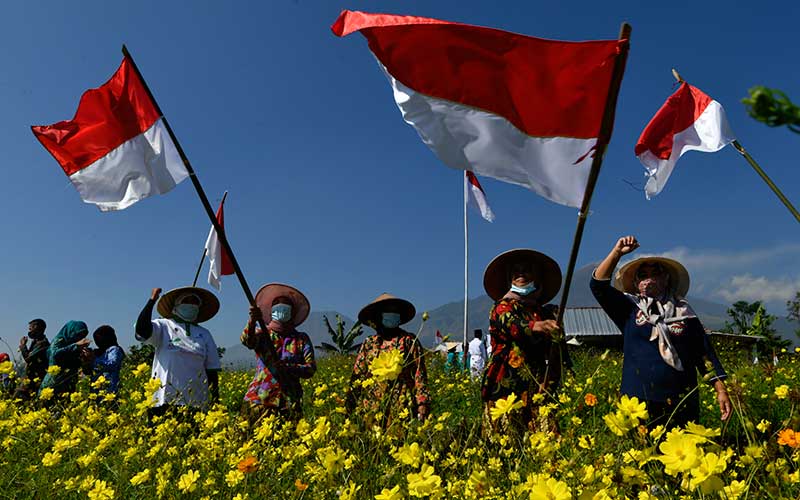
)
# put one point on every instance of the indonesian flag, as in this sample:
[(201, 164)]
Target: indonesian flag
[(519, 109), (115, 150), (476, 197), (439, 338), (689, 120), (219, 264)]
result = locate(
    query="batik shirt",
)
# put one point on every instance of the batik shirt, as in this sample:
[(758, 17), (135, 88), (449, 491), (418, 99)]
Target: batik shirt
[(408, 390), (296, 352)]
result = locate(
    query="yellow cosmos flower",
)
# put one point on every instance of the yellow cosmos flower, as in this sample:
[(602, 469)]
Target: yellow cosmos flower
[(141, 477), (51, 459), (6, 367), (53, 370), (680, 453), (425, 483), (699, 430), (393, 494), (350, 492), (548, 488), (46, 393), (782, 391), (504, 406), (590, 399), (100, 491), (387, 366), (409, 454), (632, 408), (188, 481)]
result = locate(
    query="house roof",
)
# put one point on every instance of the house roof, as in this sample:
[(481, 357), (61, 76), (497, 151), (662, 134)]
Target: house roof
[(588, 322)]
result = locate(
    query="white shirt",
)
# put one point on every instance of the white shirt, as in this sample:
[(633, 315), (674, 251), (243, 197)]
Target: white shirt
[(181, 362), (477, 352)]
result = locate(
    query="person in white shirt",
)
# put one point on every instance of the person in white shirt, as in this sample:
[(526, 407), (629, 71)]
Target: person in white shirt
[(477, 354), (186, 360)]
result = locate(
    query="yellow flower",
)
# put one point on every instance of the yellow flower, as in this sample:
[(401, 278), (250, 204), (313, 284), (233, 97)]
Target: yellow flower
[(141, 369), (349, 493), (188, 482), (51, 459), (479, 482), (6, 367), (504, 406), (586, 442), (234, 477), (782, 391), (100, 491), (409, 454), (618, 423), (141, 477), (710, 465), (387, 365), (590, 399), (548, 488), (425, 483), (763, 426), (46, 393), (425, 316), (393, 494), (734, 490), (332, 459), (632, 408), (680, 453), (53, 370), (699, 430)]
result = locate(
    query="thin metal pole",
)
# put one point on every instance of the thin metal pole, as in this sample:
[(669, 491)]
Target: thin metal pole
[(766, 178), (205, 250), (203, 199), (466, 274)]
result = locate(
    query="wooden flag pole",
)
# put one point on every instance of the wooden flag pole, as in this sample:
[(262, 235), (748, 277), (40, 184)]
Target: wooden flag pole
[(736, 144), (606, 127), (203, 199), (205, 250)]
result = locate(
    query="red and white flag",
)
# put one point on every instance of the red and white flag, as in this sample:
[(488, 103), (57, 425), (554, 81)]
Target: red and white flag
[(473, 193), (439, 338), (689, 120), (519, 109), (116, 149), (219, 263)]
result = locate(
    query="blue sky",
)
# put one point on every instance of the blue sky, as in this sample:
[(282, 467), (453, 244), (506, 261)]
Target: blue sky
[(331, 191)]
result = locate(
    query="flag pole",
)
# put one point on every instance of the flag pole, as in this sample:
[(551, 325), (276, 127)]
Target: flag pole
[(736, 144), (466, 275), (205, 250), (604, 137), (203, 198)]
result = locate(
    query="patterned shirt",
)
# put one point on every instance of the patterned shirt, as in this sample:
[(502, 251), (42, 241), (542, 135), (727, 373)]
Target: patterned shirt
[(296, 354)]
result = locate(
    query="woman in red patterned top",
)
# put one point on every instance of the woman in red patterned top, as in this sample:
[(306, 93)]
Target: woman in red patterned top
[(403, 396), (525, 356), (276, 385)]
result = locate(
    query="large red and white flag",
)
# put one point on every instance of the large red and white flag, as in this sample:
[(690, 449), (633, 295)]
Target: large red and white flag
[(519, 109), (689, 120), (475, 196), (219, 264), (116, 149)]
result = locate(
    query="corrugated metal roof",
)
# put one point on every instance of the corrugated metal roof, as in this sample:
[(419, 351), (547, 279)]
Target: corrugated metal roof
[(588, 322)]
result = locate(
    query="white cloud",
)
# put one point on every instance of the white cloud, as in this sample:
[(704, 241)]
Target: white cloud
[(751, 288)]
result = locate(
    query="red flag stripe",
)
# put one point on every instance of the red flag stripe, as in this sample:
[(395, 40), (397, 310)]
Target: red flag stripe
[(545, 88), (226, 268), (474, 181), (107, 117), (681, 110)]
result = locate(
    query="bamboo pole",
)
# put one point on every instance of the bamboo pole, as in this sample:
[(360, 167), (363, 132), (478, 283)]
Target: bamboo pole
[(205, 250)]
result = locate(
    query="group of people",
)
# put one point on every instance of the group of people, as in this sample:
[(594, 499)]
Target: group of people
[(665, 346)]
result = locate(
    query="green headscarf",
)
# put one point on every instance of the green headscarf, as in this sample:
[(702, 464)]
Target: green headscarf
[(70, 333)]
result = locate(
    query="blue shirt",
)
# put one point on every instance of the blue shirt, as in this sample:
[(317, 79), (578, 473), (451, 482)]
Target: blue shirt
[(644, 373), (108, 365)]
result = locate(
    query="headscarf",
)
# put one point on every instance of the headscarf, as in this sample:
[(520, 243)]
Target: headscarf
[(70, 333), (660, 313)]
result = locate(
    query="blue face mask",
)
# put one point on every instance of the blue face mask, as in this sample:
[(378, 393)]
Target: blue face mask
[(186, 312), (524, 290), (282, 312), (390, 320)]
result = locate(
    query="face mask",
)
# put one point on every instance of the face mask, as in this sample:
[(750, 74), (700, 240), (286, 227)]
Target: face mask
[(187, 312), (390, 320), (652, 287), (282, 312), (524, 290)]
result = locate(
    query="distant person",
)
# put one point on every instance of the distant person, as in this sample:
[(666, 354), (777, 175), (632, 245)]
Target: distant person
[(408, 393), (665, 345), (68, 352), (6, 382), (35, 358), (477, 354), (276, 385), (525, 338), (452, 362), (107, 358), (186, 358)]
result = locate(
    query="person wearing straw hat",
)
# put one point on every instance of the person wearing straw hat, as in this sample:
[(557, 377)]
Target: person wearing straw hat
[(276, 385), (389, 378), (665, 345), (524, 333), (186, 360)]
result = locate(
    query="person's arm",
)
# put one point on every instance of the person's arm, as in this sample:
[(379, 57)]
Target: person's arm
[(613, 302), (23, 349), (144, 325), (532, 333), (250, 337), (308, 366)]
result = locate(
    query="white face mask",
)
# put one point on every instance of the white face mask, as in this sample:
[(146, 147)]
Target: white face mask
[(186, 312), (525, 289), (390, 320), (282, 312)]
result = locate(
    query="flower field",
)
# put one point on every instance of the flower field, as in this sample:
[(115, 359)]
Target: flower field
[(88, 449)]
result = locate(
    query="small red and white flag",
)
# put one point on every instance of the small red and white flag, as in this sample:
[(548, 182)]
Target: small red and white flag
[(116, 149), (689, 120), (439, 338), (219, 263), (473, 193), (519, 109)]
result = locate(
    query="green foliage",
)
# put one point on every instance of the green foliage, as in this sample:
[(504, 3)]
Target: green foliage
[(793, 310), (741, 314), (343, 341), (772, 107), (752, 319), (140, 353)]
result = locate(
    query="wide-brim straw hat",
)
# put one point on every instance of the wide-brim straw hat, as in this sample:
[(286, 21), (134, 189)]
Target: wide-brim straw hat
[(209, 304), (371, 313), (268, 293), (678, 275), (546, 273)]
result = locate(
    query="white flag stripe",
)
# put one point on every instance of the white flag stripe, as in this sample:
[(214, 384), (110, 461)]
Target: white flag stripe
[(214, 253), (145, 165), (467, 138), (476, 197), (709, 133)]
